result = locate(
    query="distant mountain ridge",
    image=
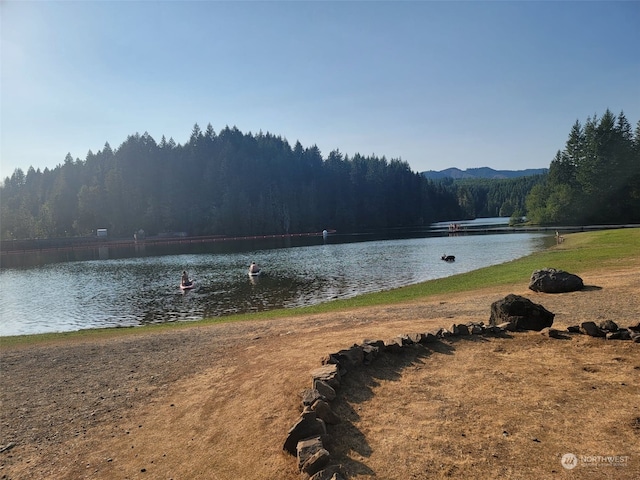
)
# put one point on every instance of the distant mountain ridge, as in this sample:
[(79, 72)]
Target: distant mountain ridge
[(482, 172)]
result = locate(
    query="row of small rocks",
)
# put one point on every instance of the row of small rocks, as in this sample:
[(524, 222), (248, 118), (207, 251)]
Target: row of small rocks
[(308, 437), (607, 329)]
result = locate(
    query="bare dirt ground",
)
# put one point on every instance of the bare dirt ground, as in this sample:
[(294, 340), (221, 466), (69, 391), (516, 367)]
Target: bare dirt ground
[(216, 401)]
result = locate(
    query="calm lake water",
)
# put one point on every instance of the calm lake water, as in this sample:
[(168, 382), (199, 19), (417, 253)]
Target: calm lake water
[(134, 291)]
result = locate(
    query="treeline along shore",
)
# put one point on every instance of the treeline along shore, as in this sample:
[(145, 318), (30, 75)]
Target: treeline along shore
[(236, 184), (227, 183)]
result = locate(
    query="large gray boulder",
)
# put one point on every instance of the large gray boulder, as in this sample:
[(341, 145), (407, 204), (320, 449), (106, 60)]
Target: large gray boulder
[(521, 312), (551, 280)]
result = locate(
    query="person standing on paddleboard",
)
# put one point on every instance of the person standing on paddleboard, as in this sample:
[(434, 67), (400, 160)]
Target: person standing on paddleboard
[(254, 268)]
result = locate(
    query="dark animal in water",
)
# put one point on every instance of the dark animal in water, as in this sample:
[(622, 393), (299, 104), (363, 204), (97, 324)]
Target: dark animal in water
[(449, 258)]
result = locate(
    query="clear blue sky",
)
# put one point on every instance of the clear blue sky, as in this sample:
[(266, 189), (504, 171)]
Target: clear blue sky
[(437, 84)]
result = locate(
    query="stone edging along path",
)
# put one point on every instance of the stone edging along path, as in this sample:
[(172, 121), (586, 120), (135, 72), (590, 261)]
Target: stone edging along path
[(307, 438)]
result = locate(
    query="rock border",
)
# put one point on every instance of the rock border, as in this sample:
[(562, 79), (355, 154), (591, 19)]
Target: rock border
[(307, 438)]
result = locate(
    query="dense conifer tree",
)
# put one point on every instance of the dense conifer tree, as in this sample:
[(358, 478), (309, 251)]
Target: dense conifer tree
[(228, 183), (595, 179)]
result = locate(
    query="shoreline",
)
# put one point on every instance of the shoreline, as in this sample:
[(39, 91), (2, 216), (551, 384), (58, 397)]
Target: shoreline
[(386, 296), (187, 402), (216, 400)]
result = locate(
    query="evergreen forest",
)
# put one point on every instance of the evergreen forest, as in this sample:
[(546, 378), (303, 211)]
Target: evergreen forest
[(233, 184), (227, 183), (490, 197), (595, 179)]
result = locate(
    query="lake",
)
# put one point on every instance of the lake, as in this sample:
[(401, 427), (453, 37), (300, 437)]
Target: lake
[(122, 292)]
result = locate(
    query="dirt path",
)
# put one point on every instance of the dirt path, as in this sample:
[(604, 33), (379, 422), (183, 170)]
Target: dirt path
[(216, 402)]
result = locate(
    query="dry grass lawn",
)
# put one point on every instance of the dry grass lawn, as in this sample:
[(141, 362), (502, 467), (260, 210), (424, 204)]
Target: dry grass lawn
[(216, 401)]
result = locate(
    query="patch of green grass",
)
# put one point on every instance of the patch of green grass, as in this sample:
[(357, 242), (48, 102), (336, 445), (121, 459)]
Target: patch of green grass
[(579, 252)]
